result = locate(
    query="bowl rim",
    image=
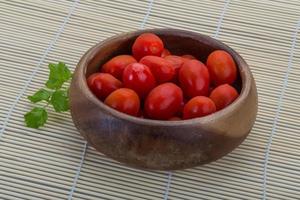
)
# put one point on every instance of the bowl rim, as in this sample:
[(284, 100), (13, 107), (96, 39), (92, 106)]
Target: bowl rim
[(243, 68)]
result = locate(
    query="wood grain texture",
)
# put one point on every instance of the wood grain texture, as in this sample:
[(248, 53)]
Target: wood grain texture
[(155, 144)]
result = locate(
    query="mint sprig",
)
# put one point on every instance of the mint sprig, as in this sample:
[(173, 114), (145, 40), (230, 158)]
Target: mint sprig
[(55, 94)]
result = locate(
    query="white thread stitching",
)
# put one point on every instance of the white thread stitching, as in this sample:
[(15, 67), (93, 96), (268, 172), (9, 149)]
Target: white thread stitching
[(214, 36), (85, 146), (78, 172), (166, 195), (37, 68), (282, 93), (220, 22), (147, 14)]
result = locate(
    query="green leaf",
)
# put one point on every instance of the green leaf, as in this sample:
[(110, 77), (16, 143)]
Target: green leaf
[(60, 100), (40, 95), (59, 73), (36, 117)]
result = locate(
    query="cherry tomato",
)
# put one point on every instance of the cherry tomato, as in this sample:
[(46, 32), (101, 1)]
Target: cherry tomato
[(141, 114), (102, 84), (198, 106), (223, 95), (174, 119), (177, 62), (147, 44), (194, 78), (188, 56), (210, 89), (165, 53), (124, 100), (161, 68), (163, 102), (116, 65), (221, 67), (180, 111), (138, 77)]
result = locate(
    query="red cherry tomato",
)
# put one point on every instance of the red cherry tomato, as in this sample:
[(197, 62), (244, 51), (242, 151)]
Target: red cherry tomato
[(165, 53), (188, 56), (210, 90), (198, 106), (163, 102), (161, 68), (223, 95), (180, 111), (124, 100), (116, 65), (147, 44), (102, 84), (177, 62), (138, 77), (221, 67), (182, 105), (174, 119), (141, 114), (194, 78)]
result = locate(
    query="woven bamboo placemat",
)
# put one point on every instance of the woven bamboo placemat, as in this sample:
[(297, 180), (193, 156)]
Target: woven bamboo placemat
[(54, 162)]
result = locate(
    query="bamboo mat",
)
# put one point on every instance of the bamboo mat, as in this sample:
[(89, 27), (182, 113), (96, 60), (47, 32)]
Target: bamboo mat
[(54, 162)]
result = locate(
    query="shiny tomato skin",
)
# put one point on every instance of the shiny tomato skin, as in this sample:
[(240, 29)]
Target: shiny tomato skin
[(223, 95), (177, 61), (163, 102), (161, 68), (117, 64), (194, 78), (102, 84), (139, 77), (165, 53), (198, 106), (147, 44), (188, 56), (124, 100), (221, 67), (180, 111)]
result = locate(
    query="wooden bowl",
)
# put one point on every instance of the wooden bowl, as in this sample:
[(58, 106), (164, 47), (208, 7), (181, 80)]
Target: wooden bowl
[(156, 144)]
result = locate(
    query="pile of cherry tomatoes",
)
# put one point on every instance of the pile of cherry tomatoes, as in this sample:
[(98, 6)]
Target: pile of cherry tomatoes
[(152, 83)]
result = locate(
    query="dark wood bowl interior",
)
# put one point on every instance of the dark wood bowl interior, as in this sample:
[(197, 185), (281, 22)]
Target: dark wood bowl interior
[(157, 144)]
